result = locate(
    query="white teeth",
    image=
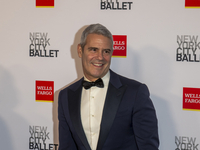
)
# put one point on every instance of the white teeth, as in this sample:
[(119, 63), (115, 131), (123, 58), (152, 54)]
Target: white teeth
[(98, 64)]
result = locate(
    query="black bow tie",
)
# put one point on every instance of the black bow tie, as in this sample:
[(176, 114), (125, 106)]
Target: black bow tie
[(98, 83)]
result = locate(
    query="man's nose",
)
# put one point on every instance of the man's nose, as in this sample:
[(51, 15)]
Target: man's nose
[(100, 55)]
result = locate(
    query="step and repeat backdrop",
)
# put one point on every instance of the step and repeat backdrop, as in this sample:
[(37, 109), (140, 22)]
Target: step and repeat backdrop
[(155, 42)]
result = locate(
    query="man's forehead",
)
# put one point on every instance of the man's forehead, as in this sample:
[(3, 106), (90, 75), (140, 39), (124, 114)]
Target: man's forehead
[(93, 36)]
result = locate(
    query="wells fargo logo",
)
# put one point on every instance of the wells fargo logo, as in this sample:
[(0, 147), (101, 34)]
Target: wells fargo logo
[(45, 3), (44, 91), (119, 45), (191, 99), (192, 3)]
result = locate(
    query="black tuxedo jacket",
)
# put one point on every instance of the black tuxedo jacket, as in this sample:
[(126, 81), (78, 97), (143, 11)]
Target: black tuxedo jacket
[(128, 121)]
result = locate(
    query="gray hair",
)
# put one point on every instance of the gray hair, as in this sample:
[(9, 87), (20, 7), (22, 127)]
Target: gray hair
[(95, 29)]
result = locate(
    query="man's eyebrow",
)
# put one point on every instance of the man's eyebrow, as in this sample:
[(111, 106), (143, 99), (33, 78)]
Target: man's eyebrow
[(92, 48), (107, 49)]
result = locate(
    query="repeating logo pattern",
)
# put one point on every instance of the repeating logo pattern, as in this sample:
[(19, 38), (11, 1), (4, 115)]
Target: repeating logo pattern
[(39, 45), (186, 143), (191, 98), (192, 3), (115, 5), (45, 3), (119, 46), (44, 91), (188, 48), (39, 137)]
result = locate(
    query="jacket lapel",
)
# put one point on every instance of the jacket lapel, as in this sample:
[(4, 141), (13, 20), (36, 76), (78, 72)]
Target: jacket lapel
[(74, 101), (113, 98)]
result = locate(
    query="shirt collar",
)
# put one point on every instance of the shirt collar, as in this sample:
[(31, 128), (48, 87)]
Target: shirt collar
[(105, 78)]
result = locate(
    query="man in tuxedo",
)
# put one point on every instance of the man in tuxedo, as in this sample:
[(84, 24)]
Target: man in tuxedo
[(103, 110)]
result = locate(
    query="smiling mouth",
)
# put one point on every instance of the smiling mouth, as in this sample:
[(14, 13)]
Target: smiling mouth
[(98, 65)]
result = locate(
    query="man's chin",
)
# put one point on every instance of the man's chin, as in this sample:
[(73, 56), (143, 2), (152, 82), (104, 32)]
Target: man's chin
[(97, 76)]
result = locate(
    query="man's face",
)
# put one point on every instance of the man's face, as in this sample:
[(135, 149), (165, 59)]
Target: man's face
[(96, 56)]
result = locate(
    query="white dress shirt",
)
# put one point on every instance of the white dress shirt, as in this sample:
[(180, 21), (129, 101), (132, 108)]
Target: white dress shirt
[(92, 103)]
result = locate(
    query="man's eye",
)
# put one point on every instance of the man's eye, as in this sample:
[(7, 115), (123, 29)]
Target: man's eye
[(107, 51), (93, 49)]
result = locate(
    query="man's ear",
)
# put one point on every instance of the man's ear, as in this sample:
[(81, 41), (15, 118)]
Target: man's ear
[(79, 50)]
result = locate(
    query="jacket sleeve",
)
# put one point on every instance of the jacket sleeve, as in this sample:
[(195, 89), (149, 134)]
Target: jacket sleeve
[(144, 121), (66, 141)]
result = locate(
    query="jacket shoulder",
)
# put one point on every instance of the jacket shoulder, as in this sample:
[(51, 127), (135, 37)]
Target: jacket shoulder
[(129, 81), (73, 86)]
